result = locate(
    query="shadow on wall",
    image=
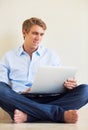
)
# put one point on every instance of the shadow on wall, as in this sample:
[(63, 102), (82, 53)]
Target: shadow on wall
[(7, 42)]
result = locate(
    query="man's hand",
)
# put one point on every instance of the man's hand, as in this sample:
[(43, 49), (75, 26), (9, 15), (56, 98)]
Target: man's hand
[(27, 91), (70, 84)]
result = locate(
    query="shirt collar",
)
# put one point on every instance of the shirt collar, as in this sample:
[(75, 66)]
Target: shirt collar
[(21, 51)]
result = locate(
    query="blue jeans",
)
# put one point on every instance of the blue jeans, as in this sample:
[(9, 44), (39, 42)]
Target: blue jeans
[(49, 108)]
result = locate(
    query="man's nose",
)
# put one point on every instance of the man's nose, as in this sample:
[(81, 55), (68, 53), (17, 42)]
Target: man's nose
[(38, 37)]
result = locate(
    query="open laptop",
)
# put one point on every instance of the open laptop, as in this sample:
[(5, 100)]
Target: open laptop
[(51, 79)]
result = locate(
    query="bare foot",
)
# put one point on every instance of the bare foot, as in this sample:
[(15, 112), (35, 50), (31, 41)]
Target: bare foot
[(71, 116), (19, 116)]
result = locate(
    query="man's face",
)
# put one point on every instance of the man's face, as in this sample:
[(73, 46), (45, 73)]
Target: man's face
[(33, 37)]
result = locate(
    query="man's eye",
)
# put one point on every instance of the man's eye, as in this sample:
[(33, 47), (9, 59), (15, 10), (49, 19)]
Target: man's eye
[(42, 34), (35, 33)]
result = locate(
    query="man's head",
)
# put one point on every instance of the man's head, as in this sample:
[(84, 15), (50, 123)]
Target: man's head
[(27, 24), (33, 30)]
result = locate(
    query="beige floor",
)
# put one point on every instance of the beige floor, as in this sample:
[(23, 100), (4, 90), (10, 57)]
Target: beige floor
[(82, 124)]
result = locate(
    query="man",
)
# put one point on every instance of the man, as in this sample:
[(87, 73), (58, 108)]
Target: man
[(17, 72)]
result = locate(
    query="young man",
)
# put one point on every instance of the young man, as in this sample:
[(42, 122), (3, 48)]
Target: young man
[(17, 71)]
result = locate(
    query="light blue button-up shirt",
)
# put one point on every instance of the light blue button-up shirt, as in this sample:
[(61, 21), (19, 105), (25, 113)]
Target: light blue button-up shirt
[(18, 70)]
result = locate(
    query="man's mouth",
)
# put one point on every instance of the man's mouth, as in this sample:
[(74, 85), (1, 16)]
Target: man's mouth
[(36, 42)]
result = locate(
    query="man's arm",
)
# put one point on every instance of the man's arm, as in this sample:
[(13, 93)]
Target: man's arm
[(4, 71)]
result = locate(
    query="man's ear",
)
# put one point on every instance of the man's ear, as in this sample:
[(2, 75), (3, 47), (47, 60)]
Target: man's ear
[(24, 33)]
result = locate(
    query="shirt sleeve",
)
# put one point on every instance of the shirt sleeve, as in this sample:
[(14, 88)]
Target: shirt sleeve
[(56, 61), (4, 70)]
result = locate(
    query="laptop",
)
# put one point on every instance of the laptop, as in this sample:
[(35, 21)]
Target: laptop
[(50, 80)]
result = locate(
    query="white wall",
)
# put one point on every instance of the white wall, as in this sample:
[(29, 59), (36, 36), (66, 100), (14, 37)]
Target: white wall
[(67, 22)]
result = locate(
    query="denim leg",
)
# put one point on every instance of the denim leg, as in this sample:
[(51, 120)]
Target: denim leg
[(73, 99), (53, 111), (8, 109), (34, 110)]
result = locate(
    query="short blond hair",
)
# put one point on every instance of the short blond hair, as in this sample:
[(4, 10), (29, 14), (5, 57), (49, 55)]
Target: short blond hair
[(27, 24)]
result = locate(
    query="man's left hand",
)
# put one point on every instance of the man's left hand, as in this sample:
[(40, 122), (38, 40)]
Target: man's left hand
[(70, 84)]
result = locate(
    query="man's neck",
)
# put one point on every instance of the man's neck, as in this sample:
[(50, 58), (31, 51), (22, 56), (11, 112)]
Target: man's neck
[(30, 51)]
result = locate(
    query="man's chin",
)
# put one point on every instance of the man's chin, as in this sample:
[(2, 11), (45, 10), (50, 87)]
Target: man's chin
[(35, 47)]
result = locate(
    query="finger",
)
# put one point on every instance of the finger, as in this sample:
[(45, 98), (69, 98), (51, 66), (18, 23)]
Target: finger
[(72, 80)]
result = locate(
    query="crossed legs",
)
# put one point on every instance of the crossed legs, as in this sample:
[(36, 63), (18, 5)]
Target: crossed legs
[(27, 110)]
